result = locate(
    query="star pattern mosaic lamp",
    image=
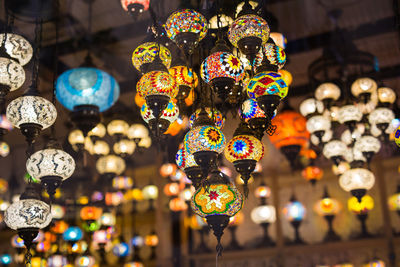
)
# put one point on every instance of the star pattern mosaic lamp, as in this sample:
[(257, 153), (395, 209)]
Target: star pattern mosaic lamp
[(186, 80), (215, 114), (146, 53)]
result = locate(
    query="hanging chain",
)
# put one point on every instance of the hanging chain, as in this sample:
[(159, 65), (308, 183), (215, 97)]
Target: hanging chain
[(36, 52), (55, 73), (3, 42)]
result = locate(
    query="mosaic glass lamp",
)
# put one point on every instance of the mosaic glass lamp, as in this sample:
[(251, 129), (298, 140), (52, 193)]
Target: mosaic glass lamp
[(186, 28), (221, 201), (73, 234), (18, 48), (146, 53), (357, 181), (335, 150), (381, 118), (271, 56), (311, 107), (12, 74), (215, 114), (168, 116), (350, 115), (110, 165), (86, 91), (368, 145), (386, 96), (186, 80), (186, 162), (363, 88), (222, 70), (327, 93)]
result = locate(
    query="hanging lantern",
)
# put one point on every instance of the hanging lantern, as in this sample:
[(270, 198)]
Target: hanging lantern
[(187, 163), (214, 114), (221, 201), (291, 134), (73, 234), (59, 227), (51, 166), (263, 214), (138, 133), (382, 118), (312, 174), (86, 91), (57, 260), (357, 181), (186, 80), (248, 33), (328, 208), (177, 204), (122, 182), (168, 116), (363, 88), (186, 28), (150, 192), (110, 165), (268, 88), (349, 115), (327, 93), (100, 148), (255, 117), (117, 128), (99, 131), (121, 250), (90, 213), (386, 96), (335, 150), (5, 259), (222, 70), (27, 216), (31, 114), (12, 75), (205, 142), (319, 127), (244, 151), (124, 147), (171, 189), (146, 53), (135, 7), (18, 48), (311, 107), (368, 145), (272, 54)]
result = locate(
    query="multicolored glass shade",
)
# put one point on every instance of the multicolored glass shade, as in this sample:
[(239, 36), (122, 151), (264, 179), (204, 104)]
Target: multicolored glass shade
[(18, 48), (183, 76), (363, 207), (204, 138), (248, 26), (291, 130), (73, 234), (214, 114), (222, 65), (28, 213), (251, 110), (242, 147), (121, 249), (87, 86), (327, 207), (122, 182), (294, 211), (4, 149), (147, 52), (186, 20), (184, 160), (170, 113), (267, 83), (375, 263), (157, 83), (220, 199), (273, 53)]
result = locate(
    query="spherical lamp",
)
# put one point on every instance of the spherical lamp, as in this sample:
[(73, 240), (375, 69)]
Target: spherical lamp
[(349, 115), (386, 96), (295, 212), (186, 28), (381, 118), (312, 174), (73, 234), (327, 93), (335, 150), (214, 114), (357, 181), (146, 53), (186, 80), (168, 116), (18, 48), (311, 107), (110, 165), (363, 88), (271, 56)]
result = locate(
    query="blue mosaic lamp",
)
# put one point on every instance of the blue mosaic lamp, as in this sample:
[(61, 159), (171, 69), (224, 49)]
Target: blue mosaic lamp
[(86, 91), (73, 234)]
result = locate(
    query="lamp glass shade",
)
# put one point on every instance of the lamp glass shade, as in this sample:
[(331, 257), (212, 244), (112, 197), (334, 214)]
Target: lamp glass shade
[(137, 131), (273, 53), (122, 182), (248, 26), (357, 178), (76, 137), (110, 164), (368, 143), (38, 262), (312, 173), (117, 127), (239, 7), (100, 148), (171, 189), (354, 154), (381, 115), (348, 137), (87, 86), (286, 76), (327, 91), (124, 147), (31, 109), (98, 131), (334, 148), (57, 211), (12, 74), (170, 113), (262, 191), (311, 106), (386, 95), (59, 227), (145, 142), (126, 3), (18, 48), (224, 21), (28, 213), (267, 83), (349, 113), (363, 85), (167, 169), (375, 263), (363, 207), (204, 138), (85, 261), (222, 65), (121, 249), (290, 130), (150, 192), (294, 211), (394, 202), (215, 114), (184, 160), (50, 162), (57, 260), (325, 138), (244, 147), (318, 123), (177, 204), (279, 39), (151, 240), (91, 213), (183, 76), (5, 259), (185, 21), (220, 199), (327, 207), (147, 52), (157, 83), (263, 214), (108, 219), (250, 110), (73, 234), (237, 219)]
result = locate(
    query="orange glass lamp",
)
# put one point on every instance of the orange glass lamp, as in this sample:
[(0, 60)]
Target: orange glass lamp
[(328, 208), (361, 209), (312, 174), (59, 227), (151, 241), (177, 204), (375, 263), (167, 169), (262, 192), (91, 213), (171, 189), (291, 134)]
